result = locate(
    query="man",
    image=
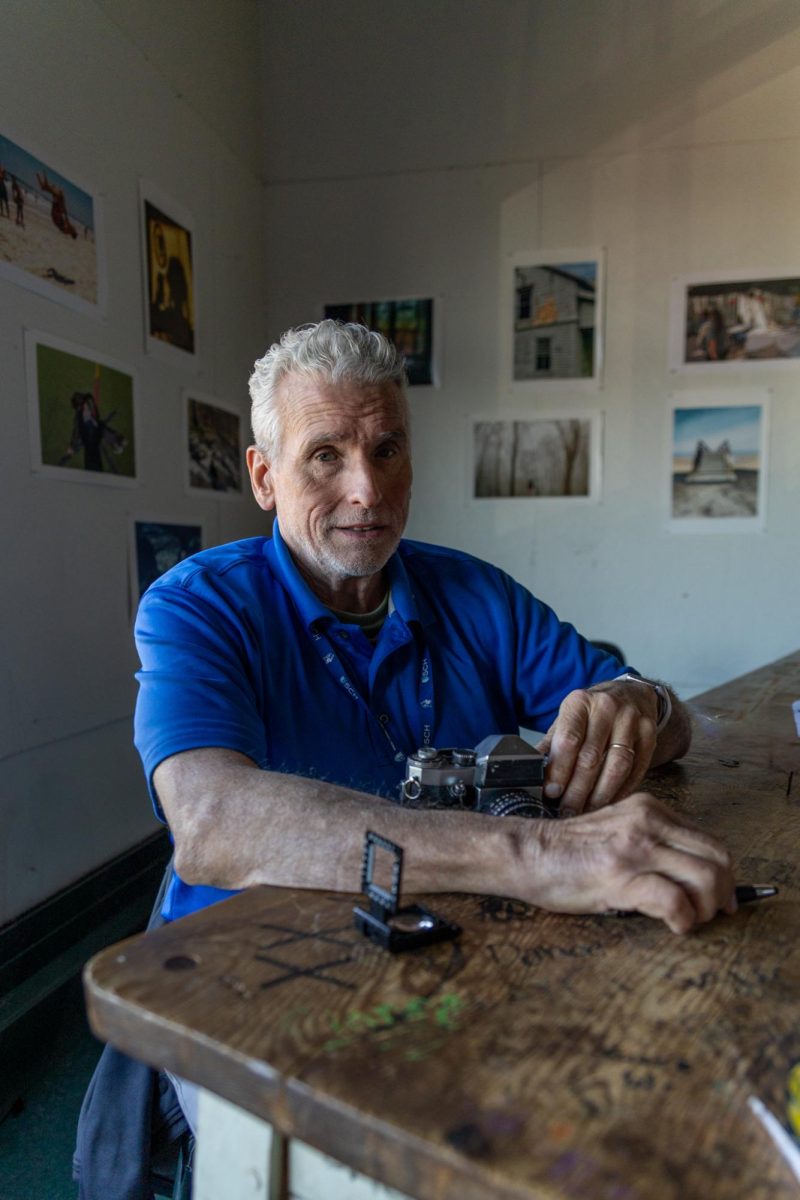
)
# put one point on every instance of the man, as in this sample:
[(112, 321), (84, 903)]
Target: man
[(285, 680), (58, 207), (18, 196)]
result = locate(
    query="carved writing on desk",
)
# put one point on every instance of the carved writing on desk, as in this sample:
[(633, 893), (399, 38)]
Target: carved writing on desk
[(286, 969), (498, 909)]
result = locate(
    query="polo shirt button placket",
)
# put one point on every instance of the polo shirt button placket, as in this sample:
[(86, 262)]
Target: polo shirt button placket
[(383, 718)]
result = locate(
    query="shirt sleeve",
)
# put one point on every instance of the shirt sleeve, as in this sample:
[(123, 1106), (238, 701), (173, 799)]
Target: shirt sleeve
[(552, 659), (197, 683)]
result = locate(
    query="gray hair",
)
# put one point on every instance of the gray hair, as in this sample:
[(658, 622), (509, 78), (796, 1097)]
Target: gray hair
[(330, 351)]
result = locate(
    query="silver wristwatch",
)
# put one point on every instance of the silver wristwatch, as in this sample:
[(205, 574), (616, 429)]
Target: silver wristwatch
[(664, 711)]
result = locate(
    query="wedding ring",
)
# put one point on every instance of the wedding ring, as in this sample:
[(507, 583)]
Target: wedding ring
[(620, 746)]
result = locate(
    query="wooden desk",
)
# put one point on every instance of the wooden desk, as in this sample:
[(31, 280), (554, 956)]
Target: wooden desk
[(538, 1056)]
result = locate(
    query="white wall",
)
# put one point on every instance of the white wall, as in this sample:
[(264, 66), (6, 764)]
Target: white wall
[(420, 147), (107, 92), (408, 150)]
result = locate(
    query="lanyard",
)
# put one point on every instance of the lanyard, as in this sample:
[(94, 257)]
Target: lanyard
[(424, 692)]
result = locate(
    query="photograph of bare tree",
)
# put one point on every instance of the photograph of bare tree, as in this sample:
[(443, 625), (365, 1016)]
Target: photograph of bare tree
[(538, 457)]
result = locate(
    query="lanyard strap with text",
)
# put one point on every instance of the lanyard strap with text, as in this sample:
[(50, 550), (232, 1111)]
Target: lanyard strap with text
[(424, 691)]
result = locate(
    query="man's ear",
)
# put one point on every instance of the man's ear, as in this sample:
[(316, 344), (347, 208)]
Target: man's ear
[(260, 478)]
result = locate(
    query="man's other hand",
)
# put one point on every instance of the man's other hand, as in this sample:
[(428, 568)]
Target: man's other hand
[(601, 744), (636, 856)]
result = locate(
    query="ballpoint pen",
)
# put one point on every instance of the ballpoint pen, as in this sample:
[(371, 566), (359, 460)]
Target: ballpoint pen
[(746, 893)]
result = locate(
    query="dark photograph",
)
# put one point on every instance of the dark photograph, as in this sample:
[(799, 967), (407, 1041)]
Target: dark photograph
[(170, 279), (159, 545), (214, 446)]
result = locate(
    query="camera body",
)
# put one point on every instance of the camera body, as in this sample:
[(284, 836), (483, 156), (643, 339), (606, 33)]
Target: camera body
[(503, 776)]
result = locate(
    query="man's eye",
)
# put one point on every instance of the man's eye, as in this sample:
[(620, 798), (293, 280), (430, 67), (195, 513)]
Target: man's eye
[(324, 456), (388, 451)]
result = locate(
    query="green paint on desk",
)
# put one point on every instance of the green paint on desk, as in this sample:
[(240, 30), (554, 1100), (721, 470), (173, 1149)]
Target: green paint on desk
[(390, 1024), (447, 1011)]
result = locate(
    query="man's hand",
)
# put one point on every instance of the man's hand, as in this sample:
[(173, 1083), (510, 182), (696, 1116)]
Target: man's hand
[(635, 856), (603, 741)]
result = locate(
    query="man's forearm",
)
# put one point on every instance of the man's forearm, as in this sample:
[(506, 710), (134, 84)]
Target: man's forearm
[(235, 826)]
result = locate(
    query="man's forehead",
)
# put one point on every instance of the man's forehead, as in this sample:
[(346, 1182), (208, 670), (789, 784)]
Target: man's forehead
[(308, 401), (296, 388)]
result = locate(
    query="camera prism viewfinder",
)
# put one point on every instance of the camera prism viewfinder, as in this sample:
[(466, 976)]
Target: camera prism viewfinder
[(503, 776)]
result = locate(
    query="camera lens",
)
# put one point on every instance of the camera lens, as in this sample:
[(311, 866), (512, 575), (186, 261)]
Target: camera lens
[(515, 804)]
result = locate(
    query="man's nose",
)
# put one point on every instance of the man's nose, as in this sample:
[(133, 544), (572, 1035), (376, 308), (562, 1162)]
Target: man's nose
[(363, 483)]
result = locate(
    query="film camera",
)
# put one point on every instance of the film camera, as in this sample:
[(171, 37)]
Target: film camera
[(502, 776)]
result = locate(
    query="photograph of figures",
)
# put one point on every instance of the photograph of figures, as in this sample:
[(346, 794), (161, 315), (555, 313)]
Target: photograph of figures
[(49, 232), (406, 323), (82, 413), (213, 445), (744, 319), (539, 457), (557, 316), (170, 296), (718, 475)]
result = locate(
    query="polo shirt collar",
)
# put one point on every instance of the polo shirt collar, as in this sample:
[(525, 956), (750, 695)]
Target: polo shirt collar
[(311, 608), (402, 599)]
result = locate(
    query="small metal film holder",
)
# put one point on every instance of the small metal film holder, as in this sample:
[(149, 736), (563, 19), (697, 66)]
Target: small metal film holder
[(385, 922)]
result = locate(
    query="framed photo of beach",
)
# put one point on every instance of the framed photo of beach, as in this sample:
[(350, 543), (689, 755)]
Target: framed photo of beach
[(82, 413), (734, 320), (718, 469), (169, 278), (51, 230), (554, 318), (213, 441)]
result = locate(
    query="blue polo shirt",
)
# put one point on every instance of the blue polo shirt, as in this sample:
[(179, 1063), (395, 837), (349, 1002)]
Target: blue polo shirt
[(238, 652)]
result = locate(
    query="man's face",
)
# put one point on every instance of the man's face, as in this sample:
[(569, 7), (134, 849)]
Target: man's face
[(340, 484)]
